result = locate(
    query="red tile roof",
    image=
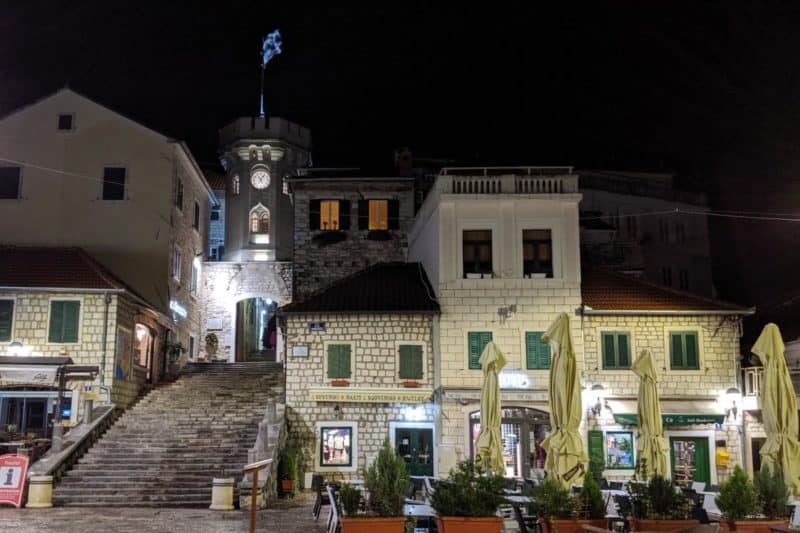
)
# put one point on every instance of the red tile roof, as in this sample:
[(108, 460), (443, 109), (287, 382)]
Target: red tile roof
[(54, 267), (602, 290)]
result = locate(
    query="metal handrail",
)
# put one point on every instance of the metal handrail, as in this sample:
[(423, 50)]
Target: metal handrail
[(255, 468)]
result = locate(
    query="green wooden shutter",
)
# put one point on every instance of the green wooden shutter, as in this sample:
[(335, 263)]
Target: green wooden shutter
[(313, 214), (537, 352), (338, 361), (690, 347), (410, 362), (609, 353), (676, 350), (596, 445), (344, 214), (623, 353), (363, 214), (477, 341), (56, 321), (6, 314), (71, 320), (393, 208)]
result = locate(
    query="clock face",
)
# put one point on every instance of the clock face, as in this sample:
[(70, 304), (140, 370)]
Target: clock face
[(260, 178)]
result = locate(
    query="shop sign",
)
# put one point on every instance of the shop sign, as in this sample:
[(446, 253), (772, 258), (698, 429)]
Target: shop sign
[(514, 379), (40, 375), (364, 395), (672, 420), (316, 327), (13, 472), (214, 324), (299, 351)]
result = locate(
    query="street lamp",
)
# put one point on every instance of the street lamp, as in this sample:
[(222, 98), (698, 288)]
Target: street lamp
[(732, 394), (598, 389)]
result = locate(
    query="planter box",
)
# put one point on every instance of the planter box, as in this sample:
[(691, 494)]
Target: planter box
[(661, 525), (411, 384), (752, 526), (340, 383), (570, 526), (395, 524), (287, 486), (467, 524)]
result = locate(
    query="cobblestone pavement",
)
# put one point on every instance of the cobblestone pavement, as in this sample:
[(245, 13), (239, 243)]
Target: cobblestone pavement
[(285, 516)]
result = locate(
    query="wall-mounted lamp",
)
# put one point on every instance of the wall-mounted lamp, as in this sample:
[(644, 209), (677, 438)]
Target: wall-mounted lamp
[(15, 348), (506, 312), (337, 412), (597, 408), (732, 394)]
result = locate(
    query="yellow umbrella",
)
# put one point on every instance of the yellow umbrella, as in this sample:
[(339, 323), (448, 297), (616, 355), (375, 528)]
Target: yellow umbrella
[(651, 446), (781, 451), (566, 457), (489, 442)]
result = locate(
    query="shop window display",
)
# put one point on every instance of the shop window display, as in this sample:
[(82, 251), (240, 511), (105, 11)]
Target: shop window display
[(619, 450), (336, 449)]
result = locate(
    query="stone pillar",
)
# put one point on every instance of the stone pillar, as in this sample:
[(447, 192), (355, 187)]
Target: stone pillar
[(40, 492), (222, 494)]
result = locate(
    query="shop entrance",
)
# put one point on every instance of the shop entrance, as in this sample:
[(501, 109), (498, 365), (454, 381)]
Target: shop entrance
[(522, 430), (255, 330), (755, 449), (415, 446), (690, 461)]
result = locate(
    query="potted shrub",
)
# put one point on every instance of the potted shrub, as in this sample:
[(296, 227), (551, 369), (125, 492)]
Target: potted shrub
[(287, 470), (555, 505), (467, 501), (212, 343), (740, 499), (387, 483), (350, 498), (658, 506)]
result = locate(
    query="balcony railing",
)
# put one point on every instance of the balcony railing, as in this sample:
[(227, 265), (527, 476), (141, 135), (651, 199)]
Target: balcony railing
[(507, 180), (754, 380)]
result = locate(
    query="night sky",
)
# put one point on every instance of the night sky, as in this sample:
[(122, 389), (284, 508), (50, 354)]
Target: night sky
[(709, 90)]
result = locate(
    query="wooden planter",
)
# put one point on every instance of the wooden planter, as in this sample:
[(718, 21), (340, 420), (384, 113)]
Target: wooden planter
[(570, 526), (340, 383), (287, 486), (660, 525), (468, 524), (394, 524), (411, 384), (752, 526)]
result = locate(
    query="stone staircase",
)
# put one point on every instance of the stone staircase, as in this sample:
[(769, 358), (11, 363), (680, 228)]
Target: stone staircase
[(165, 450)]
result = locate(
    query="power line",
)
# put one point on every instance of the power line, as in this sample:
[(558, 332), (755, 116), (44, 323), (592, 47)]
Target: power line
[(722, 214)]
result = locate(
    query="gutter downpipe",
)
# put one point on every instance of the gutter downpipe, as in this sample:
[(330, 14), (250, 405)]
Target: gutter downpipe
[(107, 301)]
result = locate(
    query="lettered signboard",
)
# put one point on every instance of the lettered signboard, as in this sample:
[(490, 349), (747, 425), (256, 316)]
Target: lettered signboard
[(13, 472)]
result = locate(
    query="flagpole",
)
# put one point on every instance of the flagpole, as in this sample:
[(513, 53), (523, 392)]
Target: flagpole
[(261, 114)]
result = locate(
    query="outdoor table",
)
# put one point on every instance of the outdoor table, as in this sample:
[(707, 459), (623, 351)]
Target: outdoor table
[(710, 504), (518, 499), (418, 510), (611, 506)]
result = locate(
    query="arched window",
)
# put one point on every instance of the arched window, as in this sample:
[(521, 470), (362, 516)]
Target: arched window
[(259, 219), (235, 185)]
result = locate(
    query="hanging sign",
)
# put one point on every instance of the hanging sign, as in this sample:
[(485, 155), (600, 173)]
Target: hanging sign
[(514, 379), (672, 420), (13, 472), (38, 374)]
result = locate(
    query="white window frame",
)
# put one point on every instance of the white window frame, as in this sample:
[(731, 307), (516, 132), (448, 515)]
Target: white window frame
[(417, 425), (353, 365), (631, 353), (616, 428), (711, 435), (701, 355), (195, 280), (397, 344), (556, 247), (14, 300), (477, 225), (177, 259), (318, 445), (81, 309)]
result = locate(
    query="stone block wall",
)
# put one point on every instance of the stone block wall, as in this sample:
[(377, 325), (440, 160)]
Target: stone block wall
[(226, 283), (318, 263)]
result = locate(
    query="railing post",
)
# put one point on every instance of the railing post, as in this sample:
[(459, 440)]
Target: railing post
[(253, 502)]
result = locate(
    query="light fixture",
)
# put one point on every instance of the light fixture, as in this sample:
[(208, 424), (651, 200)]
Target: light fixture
[(15, 348), (337, 412), (597, 408), (732, 395)]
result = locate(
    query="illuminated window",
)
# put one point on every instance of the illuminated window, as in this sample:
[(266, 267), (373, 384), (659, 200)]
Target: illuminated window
[(259, 219), (477, 245), (329, 214), (235, 185), (378, 214), (537, 250), (336, 448)]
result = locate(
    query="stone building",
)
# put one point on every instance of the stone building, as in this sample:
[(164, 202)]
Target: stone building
[(242, 291), (60, 302), (80, 174), (694, 342), (361, 368), (344, 222)]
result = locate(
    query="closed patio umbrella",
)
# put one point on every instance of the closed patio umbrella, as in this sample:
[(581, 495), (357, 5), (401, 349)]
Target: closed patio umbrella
[(489, 442), (651, 446), (781, 451), (566, 457)]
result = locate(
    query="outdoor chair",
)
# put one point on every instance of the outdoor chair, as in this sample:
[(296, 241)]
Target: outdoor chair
[(527, 524), (334, 513), (322, 497), (616, 485), (430, 488), (604, 484), (624, 507)]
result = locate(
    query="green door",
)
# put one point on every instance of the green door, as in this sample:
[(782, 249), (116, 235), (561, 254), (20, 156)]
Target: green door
[(415, 446), (690, 460)]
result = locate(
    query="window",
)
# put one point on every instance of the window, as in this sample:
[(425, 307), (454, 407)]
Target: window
[(477, 252), (195, 276), (215, 214), (114, 183), (336, 448), (6, 319), (176, 263), (684, 353), (259, 219), (476, 342), (64, 315), (537, 249), (537, 352), (196, 223), (683, 278), (616, 350), (378, 215), (666, 276), (235, 185), (179, 194), (619, 450), (329, 215), (410, 356), (339, 361), (191, 347), (65, 121), (9, 183)]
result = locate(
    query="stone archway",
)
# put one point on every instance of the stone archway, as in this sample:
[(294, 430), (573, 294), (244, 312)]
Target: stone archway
[(255, 331)]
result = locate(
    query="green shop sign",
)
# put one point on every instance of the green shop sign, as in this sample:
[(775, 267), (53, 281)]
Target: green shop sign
[(672, 420)]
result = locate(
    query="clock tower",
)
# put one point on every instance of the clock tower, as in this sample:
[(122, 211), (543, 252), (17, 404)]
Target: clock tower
[(258, 153)]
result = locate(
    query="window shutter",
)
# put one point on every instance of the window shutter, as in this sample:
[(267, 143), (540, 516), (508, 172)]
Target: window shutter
[(692, 360), (410, 362), (313, 214), (394, 214), (56, 321), (344, 214), (363, 214), (537, 352), (676, 351), (477, 341), (609, 355), (71, 312), (338, 361), (596, 448), (6, 313), (623, 356)]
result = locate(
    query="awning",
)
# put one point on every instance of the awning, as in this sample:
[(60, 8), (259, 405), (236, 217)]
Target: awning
[(673, 412), (31, 370)]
